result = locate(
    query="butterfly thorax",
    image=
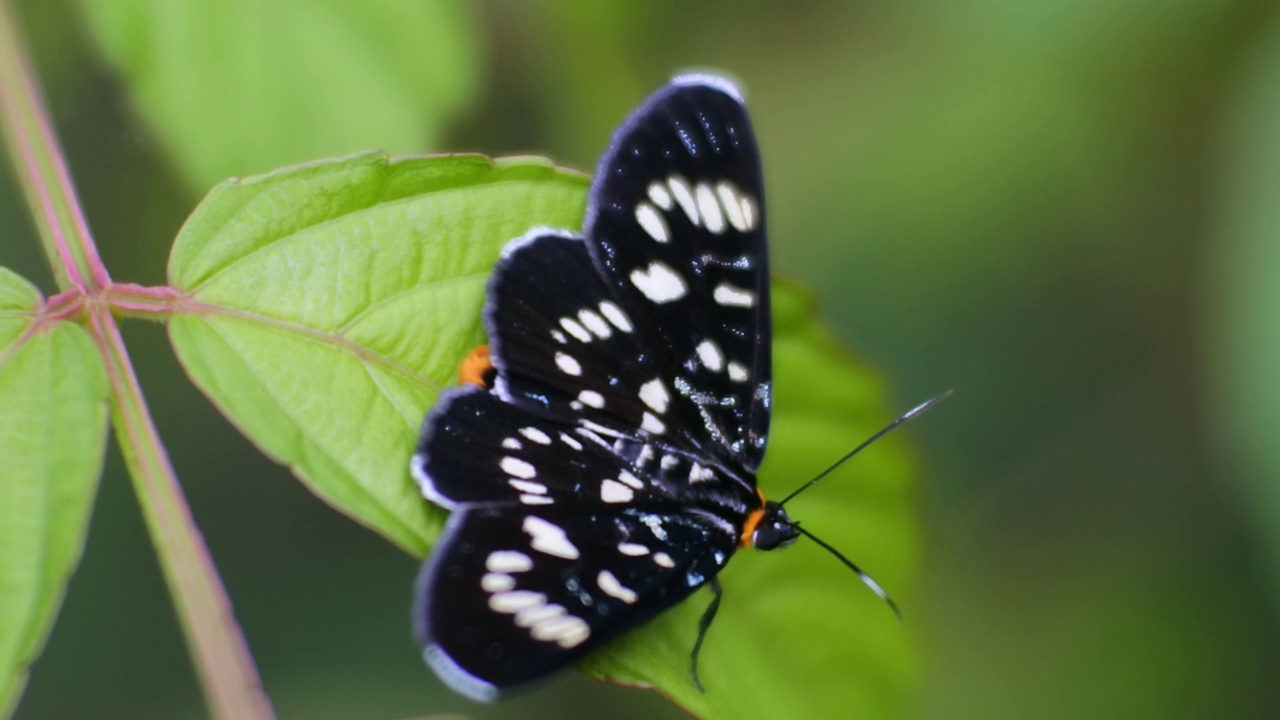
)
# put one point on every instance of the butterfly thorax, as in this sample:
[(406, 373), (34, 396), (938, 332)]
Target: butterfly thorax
[(727, 497)]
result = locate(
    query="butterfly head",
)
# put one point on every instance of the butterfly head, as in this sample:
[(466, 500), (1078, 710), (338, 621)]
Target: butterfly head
[(772, 528)]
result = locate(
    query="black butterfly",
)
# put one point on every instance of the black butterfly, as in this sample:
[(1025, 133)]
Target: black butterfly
[(610, 471)]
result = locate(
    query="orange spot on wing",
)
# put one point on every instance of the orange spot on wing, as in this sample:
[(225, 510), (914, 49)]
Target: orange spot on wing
[(477, 368), (753, 521)]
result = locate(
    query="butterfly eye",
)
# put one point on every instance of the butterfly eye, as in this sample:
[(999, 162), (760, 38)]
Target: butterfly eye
[(775, 530)]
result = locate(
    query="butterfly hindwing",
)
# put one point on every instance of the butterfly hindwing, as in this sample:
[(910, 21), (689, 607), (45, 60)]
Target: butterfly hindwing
[(536, 587), (476, 448)]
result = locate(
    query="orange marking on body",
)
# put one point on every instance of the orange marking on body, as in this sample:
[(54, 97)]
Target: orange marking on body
[(476, 366), (753, 521)]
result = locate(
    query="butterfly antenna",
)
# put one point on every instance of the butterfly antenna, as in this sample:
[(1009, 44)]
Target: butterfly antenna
[(908, 415), (865, 578)]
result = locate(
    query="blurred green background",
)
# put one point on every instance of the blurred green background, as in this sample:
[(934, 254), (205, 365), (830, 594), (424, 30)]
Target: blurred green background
[(1067, 211)]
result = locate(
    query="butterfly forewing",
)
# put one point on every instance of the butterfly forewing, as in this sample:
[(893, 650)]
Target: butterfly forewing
[(676, 225), (535, 588)]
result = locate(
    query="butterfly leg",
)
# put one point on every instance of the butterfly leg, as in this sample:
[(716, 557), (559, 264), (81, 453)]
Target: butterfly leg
[(703, 625)]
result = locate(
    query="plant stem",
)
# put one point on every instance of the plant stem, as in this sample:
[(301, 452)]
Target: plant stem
[(226, 668), (227, 673)]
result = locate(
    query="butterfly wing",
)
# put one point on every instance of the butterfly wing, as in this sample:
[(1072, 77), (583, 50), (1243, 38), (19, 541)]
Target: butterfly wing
[(565, 348), (478, 449), (656, 320), (609, 471), (676, 227), (513, 593)]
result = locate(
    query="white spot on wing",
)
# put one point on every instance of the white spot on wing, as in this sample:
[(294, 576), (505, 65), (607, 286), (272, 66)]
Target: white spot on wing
[(738, 372), (610, 584), (669, 461), (748, 212), (711, 356), (732, 296), (534, 615), (709, 207), (616, 316), (566, 631), (516, 467), (654, 394), (536, 435), (632, 549), (659, 195), (631, 480), (612, 491), (592, 398), (549, 538), (697, 473), (651, 424), (511, 443), (568, 440), (559, 337), (730, 200), (508, 561), (514, 601), (525, 486), (595, 323), (497, 582), (572, 327), (568, 364), (536, 500), (664, 560), (659, 283), (684, 196), (652, 222)]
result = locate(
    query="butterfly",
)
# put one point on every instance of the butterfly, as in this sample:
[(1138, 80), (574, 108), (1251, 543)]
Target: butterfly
[(606, 469)]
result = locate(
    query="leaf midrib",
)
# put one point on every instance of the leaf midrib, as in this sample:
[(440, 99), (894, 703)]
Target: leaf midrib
[(197, 308)]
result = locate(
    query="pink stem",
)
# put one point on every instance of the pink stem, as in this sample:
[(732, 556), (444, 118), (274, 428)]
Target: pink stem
[(221, 655)]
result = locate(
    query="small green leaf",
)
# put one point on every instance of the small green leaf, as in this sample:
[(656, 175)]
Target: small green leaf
[(797, 635), (53, 423), (241, 86), (328, 304)]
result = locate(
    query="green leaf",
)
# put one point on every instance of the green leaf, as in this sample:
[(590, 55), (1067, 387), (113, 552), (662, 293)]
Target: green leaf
[(241, 86), (1243, 325), (53, 422), (328, 304), (797, 635)]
